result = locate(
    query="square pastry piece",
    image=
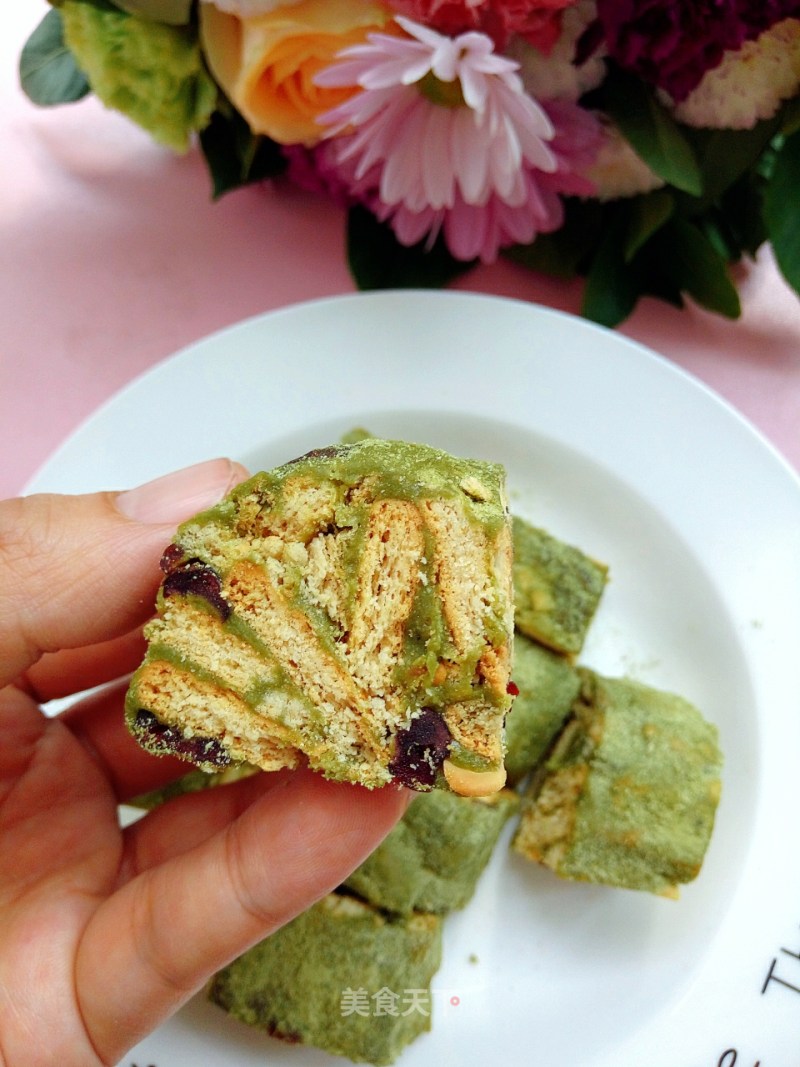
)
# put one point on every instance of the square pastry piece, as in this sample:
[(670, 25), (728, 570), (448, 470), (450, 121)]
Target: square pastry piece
[(629, 794), (432, 860), (548, 685), (342, 977), (557, 588), (353, 607)]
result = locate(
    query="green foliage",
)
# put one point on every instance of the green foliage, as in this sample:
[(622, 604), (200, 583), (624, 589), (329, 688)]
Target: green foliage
[(724, 193), (652, 131), (612, 287), (378, 261), (725, 155), (673, 243), (781, 210), (692, 264), (649, 245), (48, 72), (235, 156), (565, 252), (171, 12), (647, 215), (790, 117), (149, 71)]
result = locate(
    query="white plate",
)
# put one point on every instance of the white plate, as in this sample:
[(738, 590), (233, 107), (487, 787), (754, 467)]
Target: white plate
[(616, 450)]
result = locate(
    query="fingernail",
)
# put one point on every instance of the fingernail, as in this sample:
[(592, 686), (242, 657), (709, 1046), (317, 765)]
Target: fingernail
[(175, 497)]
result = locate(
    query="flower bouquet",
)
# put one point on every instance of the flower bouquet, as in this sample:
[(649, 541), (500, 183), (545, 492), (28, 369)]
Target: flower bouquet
[(645, 145)]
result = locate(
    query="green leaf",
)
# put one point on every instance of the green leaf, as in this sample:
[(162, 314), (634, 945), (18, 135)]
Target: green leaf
[(734, 224), (48, 72), (378, 261), (655, 284), (647, 214), (652, 132), (549, 253), (613, 286), (99, 5), (235, 156), (780, 210), (721, 235), (690, 261), (725, 155), (743, 209), (564, 253), (172, 12), (790, 117)]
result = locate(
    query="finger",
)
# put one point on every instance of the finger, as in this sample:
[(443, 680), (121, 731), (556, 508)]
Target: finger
[(171, 928), (59, 674), (184, 822), (98, 722), (77, 570)]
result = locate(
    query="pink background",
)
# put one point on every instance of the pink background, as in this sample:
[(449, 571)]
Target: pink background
[(112, 257)]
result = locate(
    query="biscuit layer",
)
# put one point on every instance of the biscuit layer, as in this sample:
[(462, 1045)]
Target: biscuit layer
[(353, 608)]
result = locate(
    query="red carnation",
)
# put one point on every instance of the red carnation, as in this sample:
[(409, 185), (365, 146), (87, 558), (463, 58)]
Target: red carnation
[(538, 21), (671, 44)]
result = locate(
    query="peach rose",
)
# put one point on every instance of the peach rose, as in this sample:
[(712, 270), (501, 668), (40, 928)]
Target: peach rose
[(266, 63)]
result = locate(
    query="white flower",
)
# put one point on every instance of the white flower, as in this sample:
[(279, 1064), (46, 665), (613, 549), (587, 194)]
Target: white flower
[(555, 76), (750, 83), (617, 170)]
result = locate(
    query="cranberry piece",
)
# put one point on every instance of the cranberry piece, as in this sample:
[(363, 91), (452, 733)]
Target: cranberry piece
[(291, 1037), (421, 749), (173, 557), (328, 452), (196, 749), (197, 579), (512, 689)]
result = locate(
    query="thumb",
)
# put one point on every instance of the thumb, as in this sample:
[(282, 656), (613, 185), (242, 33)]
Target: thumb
[(76, 570)]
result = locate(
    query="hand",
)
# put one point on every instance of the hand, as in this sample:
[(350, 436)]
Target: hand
[(105, 932)]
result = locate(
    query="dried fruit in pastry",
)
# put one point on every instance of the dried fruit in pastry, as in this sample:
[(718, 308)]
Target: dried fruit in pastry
[(354, 607)]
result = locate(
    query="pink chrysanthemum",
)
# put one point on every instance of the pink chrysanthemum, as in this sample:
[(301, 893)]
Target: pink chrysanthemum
[(444, 138), (440, 115), (475, 231)]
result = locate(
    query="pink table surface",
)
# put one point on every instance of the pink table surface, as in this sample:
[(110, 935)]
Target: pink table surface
[(112, 257)]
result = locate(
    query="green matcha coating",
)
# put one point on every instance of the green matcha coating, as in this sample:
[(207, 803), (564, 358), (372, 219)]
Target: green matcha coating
[(557, 588), (274, 678), (193, 782), (398, 470), (402, 470), (548, 684), (646, 812), (293, 984), (469, 760), (432, 859), (352, 437), (427, 640)]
